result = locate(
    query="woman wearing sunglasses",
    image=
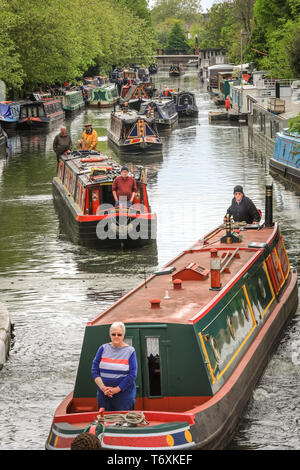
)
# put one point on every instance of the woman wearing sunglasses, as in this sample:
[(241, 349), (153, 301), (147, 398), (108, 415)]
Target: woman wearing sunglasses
[(114, 370)]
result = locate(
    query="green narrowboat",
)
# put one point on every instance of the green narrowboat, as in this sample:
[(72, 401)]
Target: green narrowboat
[(105, 96), (72, 101), (203, 328)]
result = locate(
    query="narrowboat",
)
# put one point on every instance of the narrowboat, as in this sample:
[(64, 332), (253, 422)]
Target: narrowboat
[(143, 74), (133, 132), (105, 96), (153, 68), (135, 95), (87, 93), (163, 110), (286, 156), (176, 70), (115, 75), (82, 194), (10, 113), (185, 103), (40, 114), (72, 101), (203, 328)]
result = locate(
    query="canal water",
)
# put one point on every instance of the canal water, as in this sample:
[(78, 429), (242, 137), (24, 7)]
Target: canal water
[(53, 287)]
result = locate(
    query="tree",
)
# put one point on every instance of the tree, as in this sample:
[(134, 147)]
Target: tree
[(176, 39), (139, 8), (10, 67)]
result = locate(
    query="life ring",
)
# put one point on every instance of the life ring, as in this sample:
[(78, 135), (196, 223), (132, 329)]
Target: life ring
[(215, 349), (231, 327)]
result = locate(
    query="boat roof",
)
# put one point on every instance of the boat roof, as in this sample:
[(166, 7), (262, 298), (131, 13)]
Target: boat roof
[(130, 116), (285, 133), (88, 164), (192, 267)]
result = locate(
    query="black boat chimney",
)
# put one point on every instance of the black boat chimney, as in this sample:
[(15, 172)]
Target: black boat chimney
[(269, 206)]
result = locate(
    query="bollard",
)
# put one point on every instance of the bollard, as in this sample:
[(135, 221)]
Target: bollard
[(215, 270), (269, 206), (229, 236)]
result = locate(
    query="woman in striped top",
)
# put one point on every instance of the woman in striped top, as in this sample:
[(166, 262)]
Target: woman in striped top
[(114, 371)]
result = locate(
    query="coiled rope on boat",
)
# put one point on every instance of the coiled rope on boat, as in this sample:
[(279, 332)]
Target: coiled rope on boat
[(132, 418)]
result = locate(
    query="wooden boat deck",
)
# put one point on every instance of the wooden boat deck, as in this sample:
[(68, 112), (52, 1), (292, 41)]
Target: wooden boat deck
[(186, 303)]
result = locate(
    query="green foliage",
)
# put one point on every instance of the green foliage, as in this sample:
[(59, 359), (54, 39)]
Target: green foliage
[(294, 124), (49, 41), (10, 66), (176, 39)]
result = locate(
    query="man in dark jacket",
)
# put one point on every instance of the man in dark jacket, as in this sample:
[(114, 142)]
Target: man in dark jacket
[(62, 142), (242, 208)]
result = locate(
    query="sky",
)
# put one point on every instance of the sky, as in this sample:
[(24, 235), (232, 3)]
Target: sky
[(206, 4)]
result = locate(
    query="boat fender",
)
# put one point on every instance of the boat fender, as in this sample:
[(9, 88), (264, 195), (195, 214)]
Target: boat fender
[(121, 230), (231, 327), (246, 310), (215, 349)]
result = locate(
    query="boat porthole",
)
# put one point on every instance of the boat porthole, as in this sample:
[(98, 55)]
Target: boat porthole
[(215, 349), (231, 327), (246, 309), (262, 288)]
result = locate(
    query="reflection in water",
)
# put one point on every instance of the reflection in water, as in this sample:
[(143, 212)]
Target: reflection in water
[(53, 287)]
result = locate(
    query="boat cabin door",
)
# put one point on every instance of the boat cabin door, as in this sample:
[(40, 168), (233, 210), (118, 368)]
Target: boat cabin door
[(151, 348), (94, 200)]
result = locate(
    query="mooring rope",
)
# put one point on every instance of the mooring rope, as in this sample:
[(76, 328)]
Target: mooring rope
[(132, 417)]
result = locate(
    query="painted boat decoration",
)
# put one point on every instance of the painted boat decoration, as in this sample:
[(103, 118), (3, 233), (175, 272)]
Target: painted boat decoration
[(40, 114), (135, 95), (10, 113), (163, 110), (286, 156), (133, 132), (203, 328), (105, 96), (82, 193)]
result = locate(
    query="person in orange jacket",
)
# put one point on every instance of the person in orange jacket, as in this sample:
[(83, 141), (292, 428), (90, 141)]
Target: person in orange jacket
[(227, 103), (89, 138)]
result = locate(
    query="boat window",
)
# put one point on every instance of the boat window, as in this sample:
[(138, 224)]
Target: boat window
[(154, 368), (34, 111), (41, 111)]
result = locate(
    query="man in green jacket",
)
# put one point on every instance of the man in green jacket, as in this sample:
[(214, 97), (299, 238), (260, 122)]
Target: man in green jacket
[(62, 143)]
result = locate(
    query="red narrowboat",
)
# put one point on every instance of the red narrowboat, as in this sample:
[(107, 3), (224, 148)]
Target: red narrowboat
[(82, 193), (203, 328)]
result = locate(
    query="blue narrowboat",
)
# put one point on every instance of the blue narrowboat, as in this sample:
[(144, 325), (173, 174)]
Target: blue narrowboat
[(9, 114), (286, 156)]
